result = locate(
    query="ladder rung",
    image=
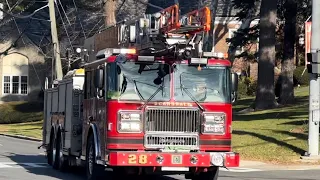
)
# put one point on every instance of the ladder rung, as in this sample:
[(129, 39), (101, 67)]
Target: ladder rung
[(186, 29)]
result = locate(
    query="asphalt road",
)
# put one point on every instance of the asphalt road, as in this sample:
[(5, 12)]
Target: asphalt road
[(21, 160)]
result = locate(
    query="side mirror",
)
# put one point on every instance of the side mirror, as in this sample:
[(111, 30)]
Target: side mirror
[(234, 82), (99, 78), (234, 86)]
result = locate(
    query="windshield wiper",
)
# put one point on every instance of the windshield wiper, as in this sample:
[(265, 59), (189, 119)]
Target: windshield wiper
[(191, 96), (151, 97), (135, 88)]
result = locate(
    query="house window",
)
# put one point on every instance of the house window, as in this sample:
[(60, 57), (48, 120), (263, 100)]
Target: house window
[(6, 84), (15, 84), (24, 84)]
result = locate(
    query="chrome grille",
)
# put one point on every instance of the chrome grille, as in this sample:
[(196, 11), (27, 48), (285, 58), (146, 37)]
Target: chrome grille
[(160, 141), (172, 120)]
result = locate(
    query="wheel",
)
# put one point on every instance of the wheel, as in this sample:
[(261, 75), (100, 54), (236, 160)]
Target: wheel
[(61, 160), (50, 150), (210, 175), (93, 170), (54, 153)]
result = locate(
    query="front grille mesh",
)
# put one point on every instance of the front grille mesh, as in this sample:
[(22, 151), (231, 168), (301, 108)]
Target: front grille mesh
[(172, 120), (173, 141)]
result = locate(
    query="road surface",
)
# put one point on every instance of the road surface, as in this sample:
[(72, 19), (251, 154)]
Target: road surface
[(20, 160)]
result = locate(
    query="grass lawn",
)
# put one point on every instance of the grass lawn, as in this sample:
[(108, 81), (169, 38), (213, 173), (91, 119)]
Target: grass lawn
[(277, 136), (32, 129)]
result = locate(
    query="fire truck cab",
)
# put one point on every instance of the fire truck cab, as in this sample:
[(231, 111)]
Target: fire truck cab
[(145, 110)]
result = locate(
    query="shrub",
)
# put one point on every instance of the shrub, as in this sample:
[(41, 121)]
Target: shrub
[(247, 87), (20, 112), (242, 89)]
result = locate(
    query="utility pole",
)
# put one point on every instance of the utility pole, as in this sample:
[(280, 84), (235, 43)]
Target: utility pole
[(314, 89), (55, 41)]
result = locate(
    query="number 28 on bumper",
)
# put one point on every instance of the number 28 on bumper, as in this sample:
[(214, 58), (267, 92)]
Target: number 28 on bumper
[(137, 159)]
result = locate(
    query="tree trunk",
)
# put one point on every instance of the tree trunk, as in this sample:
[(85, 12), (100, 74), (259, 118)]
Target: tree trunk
[(265, 96), (287, 63), (110, 12)]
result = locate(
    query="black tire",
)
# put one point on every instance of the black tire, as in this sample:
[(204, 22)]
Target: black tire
[(93, 170), (61, 160), (50, 150), (213, 174), (54, 153)]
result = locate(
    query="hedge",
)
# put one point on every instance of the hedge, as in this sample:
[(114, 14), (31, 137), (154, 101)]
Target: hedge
[(247, 86), (20, 112)]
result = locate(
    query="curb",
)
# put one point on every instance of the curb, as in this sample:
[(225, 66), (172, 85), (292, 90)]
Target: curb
[(21, 137)]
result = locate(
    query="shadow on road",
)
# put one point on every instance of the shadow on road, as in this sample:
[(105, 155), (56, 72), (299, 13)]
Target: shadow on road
[(74, 173)]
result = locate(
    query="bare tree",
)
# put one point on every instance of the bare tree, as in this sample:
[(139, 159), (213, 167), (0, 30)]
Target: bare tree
[(265, 95)]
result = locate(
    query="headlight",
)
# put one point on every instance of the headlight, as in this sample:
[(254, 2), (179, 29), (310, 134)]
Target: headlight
[(214, 123), (129, 122)]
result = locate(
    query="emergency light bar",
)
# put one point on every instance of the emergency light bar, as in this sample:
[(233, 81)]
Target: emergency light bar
[(111, 51), (214, 54), (146, 58), (198, 61)]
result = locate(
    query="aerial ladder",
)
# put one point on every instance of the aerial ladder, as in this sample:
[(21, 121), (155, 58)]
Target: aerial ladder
[(165, 34)]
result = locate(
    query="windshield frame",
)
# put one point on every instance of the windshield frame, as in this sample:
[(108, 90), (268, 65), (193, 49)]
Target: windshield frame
[(114, 82), (226, 89)]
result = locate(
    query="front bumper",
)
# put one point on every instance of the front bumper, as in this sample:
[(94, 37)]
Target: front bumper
[(170, 159)]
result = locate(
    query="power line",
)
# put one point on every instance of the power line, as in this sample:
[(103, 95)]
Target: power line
[(75, 6), (63, 11), (15, 42), (64, 26), (23, 17), (14, 6), (152, 5), (15, 22)]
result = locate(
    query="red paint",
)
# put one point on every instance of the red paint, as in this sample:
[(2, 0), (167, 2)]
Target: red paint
[(114, 106), (122, 159), (211, 62), (307, 40), (221, 62), (126, 146), (134, 141), (232, 160), (308, 37)]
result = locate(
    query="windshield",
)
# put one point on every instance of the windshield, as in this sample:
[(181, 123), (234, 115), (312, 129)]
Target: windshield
[(207, 84), (138, 81)]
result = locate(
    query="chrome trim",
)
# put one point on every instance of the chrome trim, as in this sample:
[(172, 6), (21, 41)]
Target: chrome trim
[(130, 111), (96, 140), (209, 113), (189, 141), (176, 126), (178, 123)]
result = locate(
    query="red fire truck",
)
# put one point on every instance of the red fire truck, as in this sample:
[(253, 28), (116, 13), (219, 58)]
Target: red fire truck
[(153, 103)]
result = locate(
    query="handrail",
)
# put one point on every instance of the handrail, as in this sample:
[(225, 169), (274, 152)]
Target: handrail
[(169, 19), (200, 17)]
